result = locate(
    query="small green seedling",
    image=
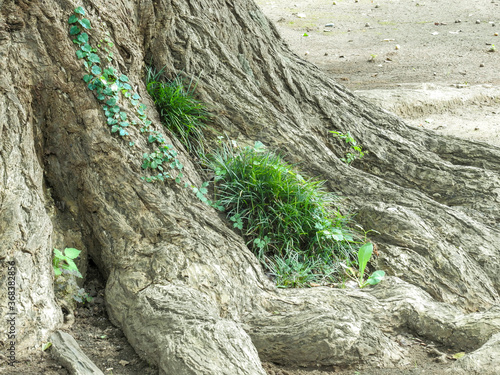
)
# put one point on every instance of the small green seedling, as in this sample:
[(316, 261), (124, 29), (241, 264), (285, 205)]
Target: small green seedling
[(63, 262), (357, 153), (364, 255), (492, 48)]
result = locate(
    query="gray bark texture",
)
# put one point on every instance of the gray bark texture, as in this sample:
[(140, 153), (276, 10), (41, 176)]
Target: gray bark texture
[(188, 294)]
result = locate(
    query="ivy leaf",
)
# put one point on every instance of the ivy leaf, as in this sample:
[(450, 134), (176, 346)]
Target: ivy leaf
[(91, 86), (80, 10), (123, 116), (123, 132), (85, 23), (72, 19), (110, 71), (111, 102), (81, 54), (115, 109), (86, 48), (108, 91), (123, 78), (74, 30), (136, 97), (126, 86), (96, 70), (127, 94), (94, 58), (131, 144), (87, 78), (83, 38), (124, 124), (115, 128), (376, 277), (111, 121), (134, 102), (101, 97)]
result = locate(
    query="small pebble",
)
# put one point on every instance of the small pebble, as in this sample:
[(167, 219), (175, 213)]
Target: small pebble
[(496, 34), (377, 6), (367, 24), (481, 65), (306, 53), (397, 46), (458, 21), (329, 25), (478, 22)]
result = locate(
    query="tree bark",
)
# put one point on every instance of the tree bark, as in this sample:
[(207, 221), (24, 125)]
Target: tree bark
[(188, 294)]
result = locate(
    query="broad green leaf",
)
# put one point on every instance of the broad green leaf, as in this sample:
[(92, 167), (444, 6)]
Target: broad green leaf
[(110, 71), (376, 277), (81, 54), (364, 255), (71, 252), (58, 254), (72, 19), (74, 30), (85, 23), (87, 78), (126, 86), (115, 109), (115, 128), (124, 123), (86, 47), (101, 97), (123, 78), (108, 91), (94, 58), (80, 10), (123, 116), (123, 132), (136, 96), (112, 121), (134, 102), (96, 70), (111, 102), (83, 38)]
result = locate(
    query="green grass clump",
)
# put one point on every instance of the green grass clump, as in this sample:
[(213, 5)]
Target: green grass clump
[(180, 112), (291, 223)]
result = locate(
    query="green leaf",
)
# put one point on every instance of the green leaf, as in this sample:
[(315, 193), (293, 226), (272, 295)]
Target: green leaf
[(74, 30), (458, 355), (115, 109), (96, 70), (85, 23), (71, 253), (94, 58), (123, 132), (81, 54), (112, 121), (108, 91), (110, 71), (131, 144), (86, 47), (136, 97), (111, 102), (364, 255), (46, 346), (72, 19), (83, 38), (123, 78), (101, 97), (80, 10), (87, 78), (134, 102), (124, 123), (126, 86), (123, 116), (115, 128), (91, 86), (376, 277)]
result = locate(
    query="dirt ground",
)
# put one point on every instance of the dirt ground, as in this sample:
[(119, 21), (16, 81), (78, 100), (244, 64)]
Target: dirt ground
[(428, 61)]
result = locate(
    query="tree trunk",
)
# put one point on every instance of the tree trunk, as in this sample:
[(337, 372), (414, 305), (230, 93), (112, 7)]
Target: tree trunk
[(188, 294)]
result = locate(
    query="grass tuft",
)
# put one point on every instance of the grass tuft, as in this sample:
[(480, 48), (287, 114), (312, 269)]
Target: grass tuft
[(180, 112), (290, 222)]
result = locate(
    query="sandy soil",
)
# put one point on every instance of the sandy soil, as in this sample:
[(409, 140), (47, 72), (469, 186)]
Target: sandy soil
[(426, 60)]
